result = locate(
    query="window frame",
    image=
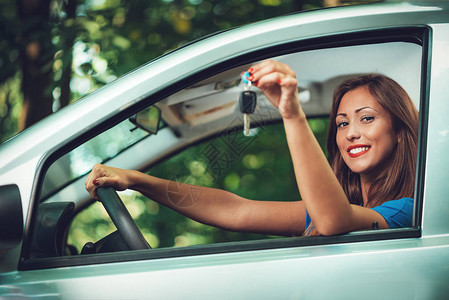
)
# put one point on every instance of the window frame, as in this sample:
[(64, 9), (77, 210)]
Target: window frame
[(415, 34)]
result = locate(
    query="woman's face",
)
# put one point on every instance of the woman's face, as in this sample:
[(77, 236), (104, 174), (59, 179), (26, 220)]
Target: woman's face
[(365, 135)]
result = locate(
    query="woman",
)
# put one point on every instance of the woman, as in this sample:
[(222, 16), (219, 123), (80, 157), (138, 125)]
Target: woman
[(372, 147)]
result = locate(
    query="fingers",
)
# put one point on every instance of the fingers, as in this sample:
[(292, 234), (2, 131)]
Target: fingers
[(102, 176), (279, 84), (290, 85), (270, 72), (92, 182)]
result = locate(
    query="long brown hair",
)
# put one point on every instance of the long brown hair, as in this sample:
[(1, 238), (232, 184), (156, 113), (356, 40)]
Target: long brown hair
[(397, 181)]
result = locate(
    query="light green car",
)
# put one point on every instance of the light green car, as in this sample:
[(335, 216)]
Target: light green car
[(195, 90)]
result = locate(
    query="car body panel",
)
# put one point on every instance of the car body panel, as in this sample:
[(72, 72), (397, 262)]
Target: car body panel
[(347, 270), (435, 220)]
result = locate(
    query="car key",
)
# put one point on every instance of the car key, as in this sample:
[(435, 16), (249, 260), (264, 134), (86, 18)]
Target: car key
[(247, 103)]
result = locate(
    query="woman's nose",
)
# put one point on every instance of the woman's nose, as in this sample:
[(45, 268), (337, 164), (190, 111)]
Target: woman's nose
[(352, 133)]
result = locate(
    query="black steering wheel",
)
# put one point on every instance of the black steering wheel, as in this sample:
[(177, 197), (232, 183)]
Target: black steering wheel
[(125, 224)]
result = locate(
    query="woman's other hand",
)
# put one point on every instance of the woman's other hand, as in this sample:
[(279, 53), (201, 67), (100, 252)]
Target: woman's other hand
[(104, 176), (279, 84)]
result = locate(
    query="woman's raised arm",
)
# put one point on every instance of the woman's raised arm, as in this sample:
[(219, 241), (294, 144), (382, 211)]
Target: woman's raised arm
[(323, 195)]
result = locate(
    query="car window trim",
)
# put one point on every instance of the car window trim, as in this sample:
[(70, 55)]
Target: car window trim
[(218, 248)]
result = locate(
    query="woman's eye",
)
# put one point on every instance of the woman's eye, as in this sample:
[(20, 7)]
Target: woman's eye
[(342, 124), (367, 118)]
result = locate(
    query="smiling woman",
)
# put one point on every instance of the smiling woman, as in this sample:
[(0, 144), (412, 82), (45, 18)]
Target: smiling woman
[(377, 130), (365, 135), (376, 113), (372, 143)]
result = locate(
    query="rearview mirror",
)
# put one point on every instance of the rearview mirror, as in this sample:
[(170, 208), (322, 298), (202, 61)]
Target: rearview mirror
[(147, 119)]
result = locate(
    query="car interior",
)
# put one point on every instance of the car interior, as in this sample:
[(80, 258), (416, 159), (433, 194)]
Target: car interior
[(202, 116)]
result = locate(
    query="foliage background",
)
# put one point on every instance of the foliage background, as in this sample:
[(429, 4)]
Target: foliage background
[(52, 52)]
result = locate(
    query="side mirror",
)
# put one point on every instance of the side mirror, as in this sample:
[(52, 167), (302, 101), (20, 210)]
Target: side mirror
[(11, 217), (147, 119)]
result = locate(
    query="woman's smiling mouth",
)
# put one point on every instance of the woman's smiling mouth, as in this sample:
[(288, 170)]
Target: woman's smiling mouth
[(357, 150)]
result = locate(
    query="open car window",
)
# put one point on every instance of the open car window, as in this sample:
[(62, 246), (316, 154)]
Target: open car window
[(256, 167), (202, 143)]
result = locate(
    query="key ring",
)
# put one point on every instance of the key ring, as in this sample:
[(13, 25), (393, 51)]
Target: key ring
[(246, 81)]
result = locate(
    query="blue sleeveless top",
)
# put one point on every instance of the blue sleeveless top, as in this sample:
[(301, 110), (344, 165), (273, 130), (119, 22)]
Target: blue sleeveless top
[(398, 213)]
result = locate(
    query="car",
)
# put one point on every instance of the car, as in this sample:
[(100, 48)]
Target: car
[(179, 115)]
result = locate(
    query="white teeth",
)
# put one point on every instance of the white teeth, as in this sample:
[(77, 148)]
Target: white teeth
[(358, 150)]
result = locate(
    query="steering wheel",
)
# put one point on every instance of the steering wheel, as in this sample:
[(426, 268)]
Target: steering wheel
[(122, 219)]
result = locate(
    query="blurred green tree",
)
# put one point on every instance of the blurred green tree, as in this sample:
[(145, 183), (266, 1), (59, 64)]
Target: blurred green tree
[(54, 51)]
